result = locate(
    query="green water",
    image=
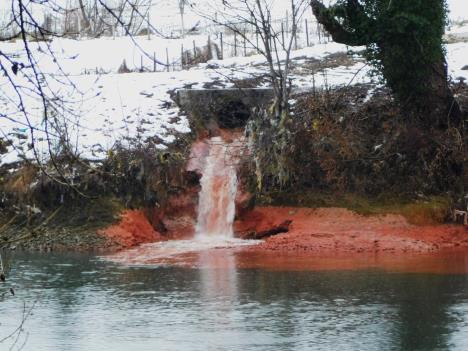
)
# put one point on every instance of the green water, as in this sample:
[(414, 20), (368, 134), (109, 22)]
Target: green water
[(84, 303)]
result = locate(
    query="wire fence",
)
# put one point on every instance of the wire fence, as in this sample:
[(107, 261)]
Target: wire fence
[(224, 43), (210, 41)]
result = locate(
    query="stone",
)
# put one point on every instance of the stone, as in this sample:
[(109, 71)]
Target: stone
[(225, 108)]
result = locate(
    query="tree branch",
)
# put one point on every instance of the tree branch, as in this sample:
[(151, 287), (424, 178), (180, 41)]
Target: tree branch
[(326, 17)]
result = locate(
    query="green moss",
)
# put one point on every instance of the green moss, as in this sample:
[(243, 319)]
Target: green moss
[(431, 210)]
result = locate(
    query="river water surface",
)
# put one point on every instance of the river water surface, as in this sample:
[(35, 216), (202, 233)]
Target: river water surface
[(83, 302)]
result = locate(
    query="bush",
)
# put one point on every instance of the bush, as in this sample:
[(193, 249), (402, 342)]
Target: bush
[(338, 142)]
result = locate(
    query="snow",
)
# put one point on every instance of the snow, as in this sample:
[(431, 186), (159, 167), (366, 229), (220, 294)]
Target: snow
[(110, 108), (458, 9), (105, 108), (106, 55), (457, 58), (460, 29)]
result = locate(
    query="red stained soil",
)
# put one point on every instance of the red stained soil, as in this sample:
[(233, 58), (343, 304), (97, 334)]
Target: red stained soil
[(340, 231), (318, 239), (133, 229), (178, 216)]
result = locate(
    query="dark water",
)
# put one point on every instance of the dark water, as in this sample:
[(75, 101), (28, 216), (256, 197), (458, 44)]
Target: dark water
[(83, 303)]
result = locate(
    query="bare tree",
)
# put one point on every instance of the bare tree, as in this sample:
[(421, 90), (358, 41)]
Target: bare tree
[(84, 15), (253, 22), (28, 91), (96, 20), (253, 19), (24, 77)]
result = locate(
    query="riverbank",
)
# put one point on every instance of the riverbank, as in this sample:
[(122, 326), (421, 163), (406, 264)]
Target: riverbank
[(338, 230), (320, 239), (303, 230), (310, 231)]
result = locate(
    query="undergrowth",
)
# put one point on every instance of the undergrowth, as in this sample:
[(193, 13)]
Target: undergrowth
[(341, 142)]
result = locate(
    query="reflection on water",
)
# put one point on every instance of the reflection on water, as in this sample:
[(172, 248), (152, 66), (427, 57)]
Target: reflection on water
[(443, 262), (218, 295), (218, 277), (84, 303)]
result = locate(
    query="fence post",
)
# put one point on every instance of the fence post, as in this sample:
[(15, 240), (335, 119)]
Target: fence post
[(209, 47), (256, 35), (282, 32), (319, 33), (148, 28), (295, 38), (154, 61), (194, 50), (221, 45), (245, 44), (235, 44), (307, 32), (141, 64), (182, 56), (167, 60)]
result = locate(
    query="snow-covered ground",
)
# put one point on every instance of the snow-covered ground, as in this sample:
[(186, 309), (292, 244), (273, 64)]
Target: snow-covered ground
[(106, 55), (105, 108)]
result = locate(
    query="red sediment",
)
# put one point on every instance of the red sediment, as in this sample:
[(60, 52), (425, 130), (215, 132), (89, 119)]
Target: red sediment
[(178, 216), (335, 230), (176, 219), (133, 229), (447, 261), (318, 239)]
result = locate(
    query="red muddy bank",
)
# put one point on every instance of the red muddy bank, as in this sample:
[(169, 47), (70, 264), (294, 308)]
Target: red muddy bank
[(133, 229), (335, 230), (313, 231)]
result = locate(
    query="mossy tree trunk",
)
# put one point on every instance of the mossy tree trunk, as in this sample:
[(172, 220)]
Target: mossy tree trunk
[(404, 41)]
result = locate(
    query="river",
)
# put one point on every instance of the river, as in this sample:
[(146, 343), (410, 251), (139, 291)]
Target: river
[(85, 302), (209, 293)]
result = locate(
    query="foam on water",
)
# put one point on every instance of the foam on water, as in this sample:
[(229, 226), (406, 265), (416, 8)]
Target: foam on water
[(168, 252)]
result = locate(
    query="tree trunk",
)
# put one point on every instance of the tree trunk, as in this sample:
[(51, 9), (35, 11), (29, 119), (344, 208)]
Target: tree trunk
[(404, 42), (420, 85), (85, 19), (439, 103), (419, 80)]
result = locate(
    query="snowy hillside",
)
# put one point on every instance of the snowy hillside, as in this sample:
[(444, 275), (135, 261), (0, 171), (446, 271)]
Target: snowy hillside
[(104, 107)]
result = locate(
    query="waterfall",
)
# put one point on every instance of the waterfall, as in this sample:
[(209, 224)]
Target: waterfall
[(216, 206), (217, 163)]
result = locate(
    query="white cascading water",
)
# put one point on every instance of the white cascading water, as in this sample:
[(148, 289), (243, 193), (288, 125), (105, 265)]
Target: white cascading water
[(216, 206), (216, 212)]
